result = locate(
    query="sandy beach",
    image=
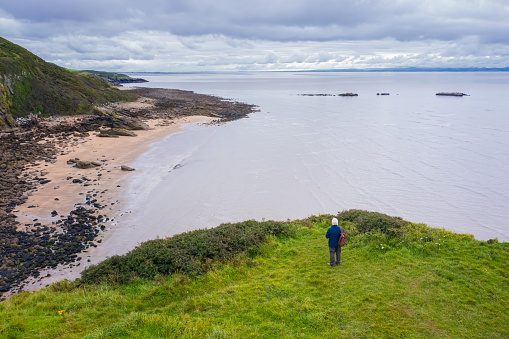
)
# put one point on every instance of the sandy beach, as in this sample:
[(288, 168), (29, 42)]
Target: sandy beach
[(65, 178), (104, 184)]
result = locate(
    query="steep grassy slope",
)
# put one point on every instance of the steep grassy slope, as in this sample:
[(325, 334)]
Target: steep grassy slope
[(28, 84), (396, 279)]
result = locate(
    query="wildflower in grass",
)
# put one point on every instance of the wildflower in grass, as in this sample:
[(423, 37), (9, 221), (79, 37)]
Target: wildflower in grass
[(61, 312)]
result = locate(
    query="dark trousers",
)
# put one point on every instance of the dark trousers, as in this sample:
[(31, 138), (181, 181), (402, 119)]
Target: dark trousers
[(335, 251)]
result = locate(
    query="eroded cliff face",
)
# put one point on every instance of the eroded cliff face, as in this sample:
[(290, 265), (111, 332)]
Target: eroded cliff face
[(8, 85), (15, 80), (5, 117)]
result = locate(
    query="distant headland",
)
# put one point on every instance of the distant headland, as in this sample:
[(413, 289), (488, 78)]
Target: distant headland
[(115, 79)]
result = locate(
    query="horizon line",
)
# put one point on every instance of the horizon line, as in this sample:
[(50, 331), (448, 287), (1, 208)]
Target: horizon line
[(389, 69)]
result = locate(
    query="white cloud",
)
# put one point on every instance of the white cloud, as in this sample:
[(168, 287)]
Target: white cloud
[(186, 35)]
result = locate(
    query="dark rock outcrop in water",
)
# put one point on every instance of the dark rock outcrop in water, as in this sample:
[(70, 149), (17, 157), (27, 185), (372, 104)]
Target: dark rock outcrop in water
[(317, 95), (349, 94), (452, 94)]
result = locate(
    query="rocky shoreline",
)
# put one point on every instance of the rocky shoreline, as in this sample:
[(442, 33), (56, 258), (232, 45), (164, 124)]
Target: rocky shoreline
[(26, 248)]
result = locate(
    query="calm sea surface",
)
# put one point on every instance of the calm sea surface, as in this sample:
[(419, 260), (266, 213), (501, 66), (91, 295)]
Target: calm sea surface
[(443, 161)]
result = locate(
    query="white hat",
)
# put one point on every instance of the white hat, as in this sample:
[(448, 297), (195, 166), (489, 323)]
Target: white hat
[(334, 221)]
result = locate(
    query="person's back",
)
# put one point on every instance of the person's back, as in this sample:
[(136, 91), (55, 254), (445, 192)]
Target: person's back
[(333, 234)]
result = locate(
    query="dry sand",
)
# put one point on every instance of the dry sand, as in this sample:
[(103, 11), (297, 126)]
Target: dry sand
[(105, 182)]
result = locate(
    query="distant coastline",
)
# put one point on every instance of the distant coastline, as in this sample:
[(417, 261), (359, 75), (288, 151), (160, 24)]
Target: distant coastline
[(416, 69), (351, 70)]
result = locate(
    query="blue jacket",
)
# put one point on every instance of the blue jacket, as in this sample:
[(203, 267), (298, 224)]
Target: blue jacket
[(333, 234)]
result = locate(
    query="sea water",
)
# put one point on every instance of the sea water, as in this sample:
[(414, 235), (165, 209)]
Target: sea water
[(443, 161)]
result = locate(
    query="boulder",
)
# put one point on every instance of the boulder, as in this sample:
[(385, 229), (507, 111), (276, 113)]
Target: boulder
[(126, 168), (130, 123), (115, 132), (106, 134), (86, 164)]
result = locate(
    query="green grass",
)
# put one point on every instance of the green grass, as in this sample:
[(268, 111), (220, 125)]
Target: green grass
[(422, 283)]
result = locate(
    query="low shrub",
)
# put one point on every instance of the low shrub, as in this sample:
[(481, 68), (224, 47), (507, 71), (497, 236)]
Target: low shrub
[(190, 253), (366, 221)]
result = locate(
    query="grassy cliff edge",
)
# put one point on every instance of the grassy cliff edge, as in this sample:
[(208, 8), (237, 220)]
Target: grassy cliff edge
[(396, 279)]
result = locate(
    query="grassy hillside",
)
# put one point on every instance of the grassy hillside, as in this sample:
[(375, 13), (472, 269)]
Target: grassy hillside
[(28, 84), (396, 279)]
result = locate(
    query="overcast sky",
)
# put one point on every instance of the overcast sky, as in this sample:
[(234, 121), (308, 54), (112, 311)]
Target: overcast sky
[(216, 35)]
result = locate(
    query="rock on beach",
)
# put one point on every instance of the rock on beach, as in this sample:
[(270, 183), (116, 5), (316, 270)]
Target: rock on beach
[(84, 164), (126, 168), (116, 132)]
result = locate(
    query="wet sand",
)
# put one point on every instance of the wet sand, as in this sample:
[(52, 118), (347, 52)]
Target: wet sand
[(104, 183)]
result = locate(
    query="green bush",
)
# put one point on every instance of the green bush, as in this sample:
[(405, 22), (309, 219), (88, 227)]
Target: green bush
[(373, 221), (190, 253)]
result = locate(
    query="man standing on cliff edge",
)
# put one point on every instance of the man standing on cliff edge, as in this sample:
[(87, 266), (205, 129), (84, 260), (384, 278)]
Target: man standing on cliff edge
[(333, 234)]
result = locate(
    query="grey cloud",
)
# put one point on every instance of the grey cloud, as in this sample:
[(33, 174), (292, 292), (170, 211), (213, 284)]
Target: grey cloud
[(229, 34), (316, 20)]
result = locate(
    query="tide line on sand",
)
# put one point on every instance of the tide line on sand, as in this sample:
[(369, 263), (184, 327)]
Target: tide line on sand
[(105, 185)]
